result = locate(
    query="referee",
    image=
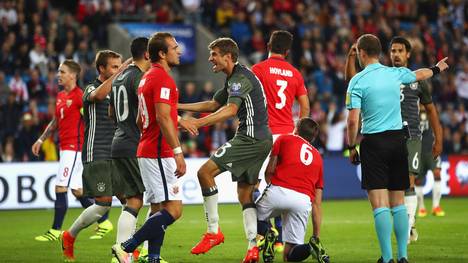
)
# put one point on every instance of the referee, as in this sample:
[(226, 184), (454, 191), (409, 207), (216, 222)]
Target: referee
[(374, 93)]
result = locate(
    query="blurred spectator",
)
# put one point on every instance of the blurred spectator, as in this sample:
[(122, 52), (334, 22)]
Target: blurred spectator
[(4, 89), (18, 87), (461, 82), (36, 87), (11, 115), (25, 138), (8, 154), (190, 94)]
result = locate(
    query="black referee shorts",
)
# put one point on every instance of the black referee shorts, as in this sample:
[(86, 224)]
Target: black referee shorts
[(384, 160)]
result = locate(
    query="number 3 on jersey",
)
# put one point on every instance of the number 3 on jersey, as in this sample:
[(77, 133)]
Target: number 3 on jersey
[(282, 87), (306, 154)]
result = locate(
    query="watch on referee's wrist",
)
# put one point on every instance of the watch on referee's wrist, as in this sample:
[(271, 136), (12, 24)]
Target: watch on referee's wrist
[(351, 147)]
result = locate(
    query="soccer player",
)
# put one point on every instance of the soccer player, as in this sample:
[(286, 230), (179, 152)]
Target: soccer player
[(428, 163), (243, 155), (295, 178), (68, 121), (124, 110), (159, 153), (282, 83), (383, 148), (410, 96), (96, 155)]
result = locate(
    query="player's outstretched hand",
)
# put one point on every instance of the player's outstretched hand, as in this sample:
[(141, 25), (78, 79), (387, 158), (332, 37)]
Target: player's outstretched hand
[(442, 64), (189, 126), (436, 149), (181, 167), (36, 148)]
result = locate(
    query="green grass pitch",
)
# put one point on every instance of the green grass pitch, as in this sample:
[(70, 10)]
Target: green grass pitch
[(347, 233)]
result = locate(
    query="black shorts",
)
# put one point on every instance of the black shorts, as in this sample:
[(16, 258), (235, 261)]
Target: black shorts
[(384, 159)]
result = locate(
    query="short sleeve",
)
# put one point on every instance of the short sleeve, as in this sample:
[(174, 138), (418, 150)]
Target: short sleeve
[(258, 72), (87, 92), (221, 96), (405, 75), (163, 91), (275, 150), (301, 89), (238, 90), (353, 95), (426, 97)]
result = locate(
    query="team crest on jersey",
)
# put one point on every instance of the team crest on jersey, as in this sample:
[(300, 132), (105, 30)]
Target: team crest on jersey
[(69, 103), (236, 88), (101, 187), (414, 86)]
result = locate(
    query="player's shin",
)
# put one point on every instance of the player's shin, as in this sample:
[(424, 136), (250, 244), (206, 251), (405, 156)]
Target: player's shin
[(89, 216), (249, 213), (411, 203), (61, 206), (210, 203), (400, 226), (126, 224)]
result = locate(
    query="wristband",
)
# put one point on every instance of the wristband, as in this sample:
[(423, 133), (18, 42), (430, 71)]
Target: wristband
[(178, 118), (40, 141), (435, 70), (177, 150)]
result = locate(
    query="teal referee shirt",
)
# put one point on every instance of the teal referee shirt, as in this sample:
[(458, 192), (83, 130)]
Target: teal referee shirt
[(376, 91)]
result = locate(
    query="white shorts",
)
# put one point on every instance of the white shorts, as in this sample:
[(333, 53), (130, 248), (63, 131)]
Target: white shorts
[(70, 170), (294, 208), (159, 178)]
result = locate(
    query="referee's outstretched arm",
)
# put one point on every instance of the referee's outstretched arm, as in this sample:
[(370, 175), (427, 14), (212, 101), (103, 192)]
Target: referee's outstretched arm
[(425, 73)]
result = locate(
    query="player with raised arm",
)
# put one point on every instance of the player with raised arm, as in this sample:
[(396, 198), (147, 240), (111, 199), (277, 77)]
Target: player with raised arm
[(243, 155), (69, 123), (159, 153), (383, 147), (282, 83), (411, 95), (124, 110), (96, 155), (428, 163), (295, 178)]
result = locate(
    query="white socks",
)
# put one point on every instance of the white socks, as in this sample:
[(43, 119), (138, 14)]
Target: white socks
[(411, 203), (125, 226), (420, 196), (210, 203), (250, 225), (436, 194), (89, 216)]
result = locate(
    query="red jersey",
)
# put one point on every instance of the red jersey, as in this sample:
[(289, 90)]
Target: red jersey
[(281, 84), (299, 167), (69, 120), (156, 86)]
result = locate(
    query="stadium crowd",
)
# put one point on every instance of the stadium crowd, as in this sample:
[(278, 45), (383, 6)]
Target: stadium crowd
[(36, 36)]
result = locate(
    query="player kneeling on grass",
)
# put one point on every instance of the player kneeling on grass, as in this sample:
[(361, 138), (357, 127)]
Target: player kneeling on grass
[(295, 178)]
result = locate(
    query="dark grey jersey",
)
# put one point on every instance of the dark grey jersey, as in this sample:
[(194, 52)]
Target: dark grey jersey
[(427, 135), (124, 100), (245, 90), (99, 128), (410, 97)]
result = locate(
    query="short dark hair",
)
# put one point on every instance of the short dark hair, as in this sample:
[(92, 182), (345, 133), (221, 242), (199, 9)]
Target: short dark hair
[(72, 66), (308, 129), (103, 56), (138, 47), (401, 40), (157, 43), (280, 42), (370, 44), (226, 46)]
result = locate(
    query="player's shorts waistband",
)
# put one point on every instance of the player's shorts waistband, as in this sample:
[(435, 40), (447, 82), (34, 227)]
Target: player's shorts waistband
[(384, 133)]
